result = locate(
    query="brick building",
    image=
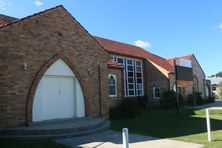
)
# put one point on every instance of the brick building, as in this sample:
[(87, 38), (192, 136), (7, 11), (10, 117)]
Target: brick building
[(52, 68)]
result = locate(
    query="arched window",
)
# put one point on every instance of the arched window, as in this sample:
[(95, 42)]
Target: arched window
[(112, 85), (156, 93), (196, 84)]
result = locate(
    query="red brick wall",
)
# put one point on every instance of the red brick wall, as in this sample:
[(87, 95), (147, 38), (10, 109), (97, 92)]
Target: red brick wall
[(154, 78), (39, 41), (120, 92)]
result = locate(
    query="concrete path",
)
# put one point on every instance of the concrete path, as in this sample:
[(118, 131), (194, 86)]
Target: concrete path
[(217, 103), (113, 139)]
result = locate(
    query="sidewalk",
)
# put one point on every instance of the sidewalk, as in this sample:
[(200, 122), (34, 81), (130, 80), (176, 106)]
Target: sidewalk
[(217, 103), (113, 139)]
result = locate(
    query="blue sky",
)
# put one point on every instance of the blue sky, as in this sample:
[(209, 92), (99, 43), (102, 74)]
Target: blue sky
[(168, 28)]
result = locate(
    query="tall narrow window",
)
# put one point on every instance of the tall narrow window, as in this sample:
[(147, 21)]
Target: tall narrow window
[(139, 78), (132, 75), (112, 85), (156, 93)]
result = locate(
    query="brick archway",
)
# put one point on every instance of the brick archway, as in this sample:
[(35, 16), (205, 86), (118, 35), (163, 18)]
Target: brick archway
[(38, 77)]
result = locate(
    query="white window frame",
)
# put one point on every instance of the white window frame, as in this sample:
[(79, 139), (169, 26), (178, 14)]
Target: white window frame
[(141, 66), (154, 93), (115, 78), (125, 77)]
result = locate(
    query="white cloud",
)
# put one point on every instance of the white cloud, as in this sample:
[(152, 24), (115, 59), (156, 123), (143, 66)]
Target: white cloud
[(4, 6), (38, 2), (142, 44), (220, 26)]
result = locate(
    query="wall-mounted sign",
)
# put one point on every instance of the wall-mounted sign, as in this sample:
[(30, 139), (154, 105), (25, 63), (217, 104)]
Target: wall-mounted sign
[(184, 72), (184, 83), (183, 62)]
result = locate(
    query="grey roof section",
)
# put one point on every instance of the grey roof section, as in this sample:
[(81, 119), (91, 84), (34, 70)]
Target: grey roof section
[(215, 80)]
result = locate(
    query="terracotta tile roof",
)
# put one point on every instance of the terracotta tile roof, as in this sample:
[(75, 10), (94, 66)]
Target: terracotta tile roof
[(115, 47), (114, 64), (5, 20), (188, 57)]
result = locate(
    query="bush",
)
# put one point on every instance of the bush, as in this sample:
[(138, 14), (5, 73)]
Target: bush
[(210, 99), (128, 108), (198, 97), (170, 100)]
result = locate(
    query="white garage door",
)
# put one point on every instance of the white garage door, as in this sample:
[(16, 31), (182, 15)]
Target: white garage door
[(58, 95)]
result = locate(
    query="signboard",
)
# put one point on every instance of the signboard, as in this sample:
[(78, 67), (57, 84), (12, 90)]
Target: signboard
[(184, 83), (183, 63), (184, 76), (184, 72)]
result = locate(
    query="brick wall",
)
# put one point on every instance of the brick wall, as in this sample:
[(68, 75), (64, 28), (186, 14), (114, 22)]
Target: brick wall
[(39, 41), (119, 73), (197, 71), (154, 78), (200, 76)]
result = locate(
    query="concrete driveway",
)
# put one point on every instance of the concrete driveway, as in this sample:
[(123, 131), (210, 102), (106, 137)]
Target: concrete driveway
[(113, 139)]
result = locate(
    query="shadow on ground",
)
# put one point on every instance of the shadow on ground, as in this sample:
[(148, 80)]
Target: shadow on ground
[(165, 123)]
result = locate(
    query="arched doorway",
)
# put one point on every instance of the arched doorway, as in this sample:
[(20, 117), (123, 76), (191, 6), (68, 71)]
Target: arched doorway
[(58, 95)]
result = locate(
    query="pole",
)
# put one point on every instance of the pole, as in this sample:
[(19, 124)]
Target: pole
[(177, 91), (125, 138), (208, 125)]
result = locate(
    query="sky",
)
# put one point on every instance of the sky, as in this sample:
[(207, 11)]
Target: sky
[(168, 28)]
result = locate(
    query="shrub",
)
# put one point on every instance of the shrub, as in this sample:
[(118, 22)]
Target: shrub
[(128, 108), (198, 98), (210, 99), (170, 100)]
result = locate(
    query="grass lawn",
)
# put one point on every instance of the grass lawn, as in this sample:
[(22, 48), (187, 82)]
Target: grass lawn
[(29, 144), (190, 126)]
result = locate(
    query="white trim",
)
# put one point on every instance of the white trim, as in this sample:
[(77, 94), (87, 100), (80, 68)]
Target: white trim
[(154, 93), (115, 78), (126, 84)]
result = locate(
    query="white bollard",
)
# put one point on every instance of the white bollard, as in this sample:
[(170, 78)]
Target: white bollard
[(208, 125), (125, 138)]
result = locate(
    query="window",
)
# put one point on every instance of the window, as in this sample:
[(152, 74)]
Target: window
[(130, 78), (112, 85), (139, 81), (214, 88), (133, 75), (156, 92)]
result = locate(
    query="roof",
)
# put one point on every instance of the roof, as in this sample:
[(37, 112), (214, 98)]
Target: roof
[(215, 80), (5, 20), (187, 57), (115, 47), (114, 64), (15, 20)]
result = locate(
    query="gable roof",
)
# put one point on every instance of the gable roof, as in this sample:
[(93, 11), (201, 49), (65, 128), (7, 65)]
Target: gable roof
[(114, 64), (5, 20), (187, 57), (115, 47), (28, 17), (8, 20)]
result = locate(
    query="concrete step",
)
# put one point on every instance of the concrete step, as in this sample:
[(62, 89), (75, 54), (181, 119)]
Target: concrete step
[(56, 130)]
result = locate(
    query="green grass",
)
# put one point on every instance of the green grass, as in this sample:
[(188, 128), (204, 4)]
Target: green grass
[(190, 126), (29, 144)]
